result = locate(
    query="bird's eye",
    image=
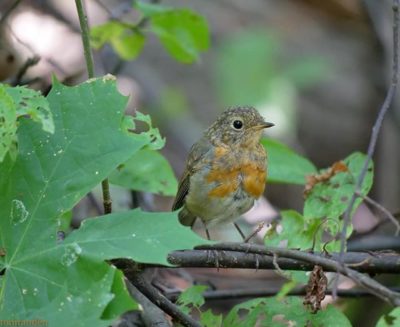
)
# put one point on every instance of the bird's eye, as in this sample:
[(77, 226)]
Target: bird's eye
[(237, 124)]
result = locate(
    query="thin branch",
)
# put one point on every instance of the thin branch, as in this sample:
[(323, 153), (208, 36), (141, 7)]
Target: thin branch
[(385, 211), (151, 314), (376, 128), (328, 264), (388, 263), (8, 12), (160, 300), (374, 136), (240, 293), (107, 202)]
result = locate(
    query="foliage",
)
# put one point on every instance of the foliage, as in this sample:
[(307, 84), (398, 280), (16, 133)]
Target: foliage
[(182, 32), (54, 150), (262, 312), (17, 103), (390, 320), (285, 165), (328, 196), (69, 279)]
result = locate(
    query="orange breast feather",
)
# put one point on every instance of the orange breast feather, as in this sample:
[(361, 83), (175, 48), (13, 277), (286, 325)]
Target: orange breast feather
[(253, 179)]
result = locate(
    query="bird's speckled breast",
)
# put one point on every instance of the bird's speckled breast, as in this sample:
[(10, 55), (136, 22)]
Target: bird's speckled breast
[(227, 188)]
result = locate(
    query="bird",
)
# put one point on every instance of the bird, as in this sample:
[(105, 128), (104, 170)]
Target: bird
[(225, 171)]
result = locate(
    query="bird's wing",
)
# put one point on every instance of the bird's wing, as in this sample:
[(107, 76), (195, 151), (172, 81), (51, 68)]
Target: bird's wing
[(196, 154)]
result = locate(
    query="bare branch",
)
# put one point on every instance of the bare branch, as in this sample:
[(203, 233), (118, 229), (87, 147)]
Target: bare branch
[(370, 284), (242, 293), (378, 263), (376, 128)]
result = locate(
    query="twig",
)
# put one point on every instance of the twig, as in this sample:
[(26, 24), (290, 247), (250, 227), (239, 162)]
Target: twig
[(160, 300), (376, 128), (151, 314), (107, 202), (388, 263), (385, 211), (328, 264), (374, 136), (240, 293), (9, 11), (32, 61)]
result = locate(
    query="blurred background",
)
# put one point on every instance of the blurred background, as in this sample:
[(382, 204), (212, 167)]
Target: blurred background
[(318, 69)]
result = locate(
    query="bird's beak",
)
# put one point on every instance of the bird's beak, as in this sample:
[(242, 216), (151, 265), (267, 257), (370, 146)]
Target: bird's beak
[(263, 125), (267, 125)]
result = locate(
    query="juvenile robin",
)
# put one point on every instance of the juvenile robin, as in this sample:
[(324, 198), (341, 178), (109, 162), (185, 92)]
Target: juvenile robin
[(225, 170)]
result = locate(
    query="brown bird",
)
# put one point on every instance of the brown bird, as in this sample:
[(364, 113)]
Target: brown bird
[(225, 170)]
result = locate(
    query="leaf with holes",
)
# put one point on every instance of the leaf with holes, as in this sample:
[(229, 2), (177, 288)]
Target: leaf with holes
[(34, 105), (50, 175), (287, 312), (328, 200)]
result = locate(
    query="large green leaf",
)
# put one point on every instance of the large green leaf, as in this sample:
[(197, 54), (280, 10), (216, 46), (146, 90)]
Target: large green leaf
[(141, 236), (50, 175), (287, 312), (146, 171), (285, 165)]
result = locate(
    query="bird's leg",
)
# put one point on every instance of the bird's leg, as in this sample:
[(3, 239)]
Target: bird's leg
[(240, 231), (207, 233)]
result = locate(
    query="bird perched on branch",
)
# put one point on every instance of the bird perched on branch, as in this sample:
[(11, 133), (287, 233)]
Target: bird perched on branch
[(225, 171)]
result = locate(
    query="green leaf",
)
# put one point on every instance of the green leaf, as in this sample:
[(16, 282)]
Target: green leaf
[(289, 311), (152, 136), (120, 304), (50, 175), (245, 314), (150, 9), (293, 231), (285, 165), (137, 235), (391, 319), (8, 124), (134, 174), (192, 296), (329, 199), (125, 38), (209, 319), (182, 32), (32, 103)]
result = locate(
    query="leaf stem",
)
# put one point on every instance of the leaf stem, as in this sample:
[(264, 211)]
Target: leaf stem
[(83, 22)]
